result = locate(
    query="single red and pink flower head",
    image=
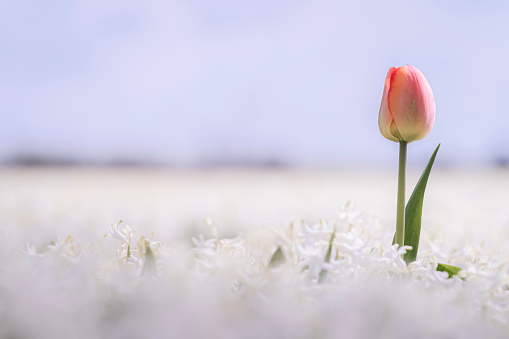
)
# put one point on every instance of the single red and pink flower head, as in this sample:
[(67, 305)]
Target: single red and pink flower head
[(407, 111)]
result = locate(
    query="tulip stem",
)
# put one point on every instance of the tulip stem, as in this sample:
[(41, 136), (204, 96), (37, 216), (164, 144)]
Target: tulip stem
[(400, 214)]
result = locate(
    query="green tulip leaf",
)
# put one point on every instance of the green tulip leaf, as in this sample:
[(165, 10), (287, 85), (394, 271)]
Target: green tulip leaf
[(413, 212), (450, 269)]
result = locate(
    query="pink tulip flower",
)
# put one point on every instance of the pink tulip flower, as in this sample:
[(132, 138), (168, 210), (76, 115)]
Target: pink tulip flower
[(407, 111)]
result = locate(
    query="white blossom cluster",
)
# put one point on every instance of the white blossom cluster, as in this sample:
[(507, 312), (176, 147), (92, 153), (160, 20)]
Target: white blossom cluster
[(336, 279)]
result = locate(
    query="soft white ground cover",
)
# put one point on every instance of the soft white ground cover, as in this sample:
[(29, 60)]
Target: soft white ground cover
[(211, 277)]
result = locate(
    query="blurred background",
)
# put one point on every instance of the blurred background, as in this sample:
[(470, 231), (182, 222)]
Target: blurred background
[(248, 83), (162, 113)]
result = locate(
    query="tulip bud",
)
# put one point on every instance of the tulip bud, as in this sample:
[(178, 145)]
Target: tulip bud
[(407, 111)]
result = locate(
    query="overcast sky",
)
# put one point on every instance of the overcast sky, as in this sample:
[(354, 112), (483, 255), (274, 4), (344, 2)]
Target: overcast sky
[(295, 82)]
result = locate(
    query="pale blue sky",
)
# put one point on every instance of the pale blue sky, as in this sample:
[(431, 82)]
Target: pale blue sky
[(298, 82)]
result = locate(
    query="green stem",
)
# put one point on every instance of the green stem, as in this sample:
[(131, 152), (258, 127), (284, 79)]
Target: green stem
[(400, 215)]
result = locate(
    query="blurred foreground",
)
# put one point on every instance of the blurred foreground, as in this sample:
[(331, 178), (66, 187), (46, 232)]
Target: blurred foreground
[(332, 279)]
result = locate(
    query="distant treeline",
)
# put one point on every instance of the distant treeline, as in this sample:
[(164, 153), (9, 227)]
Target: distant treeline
[(38, 161)]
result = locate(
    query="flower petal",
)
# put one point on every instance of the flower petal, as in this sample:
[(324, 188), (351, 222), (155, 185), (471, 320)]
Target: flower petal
[(410, 101), (385, 119)]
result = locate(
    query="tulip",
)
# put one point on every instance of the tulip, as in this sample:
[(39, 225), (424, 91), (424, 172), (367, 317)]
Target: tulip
[(407, 114), (407, 111)]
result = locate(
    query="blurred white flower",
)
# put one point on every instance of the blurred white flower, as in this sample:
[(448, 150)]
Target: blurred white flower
[(64, 247), (124, 235), (337, 280)]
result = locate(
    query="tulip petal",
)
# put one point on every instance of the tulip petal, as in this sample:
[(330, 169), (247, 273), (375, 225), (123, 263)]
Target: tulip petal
[(395, 131), (410, 102), (385, 119)]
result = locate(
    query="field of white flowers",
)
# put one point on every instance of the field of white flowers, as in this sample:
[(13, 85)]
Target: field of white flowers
[(248, 254)]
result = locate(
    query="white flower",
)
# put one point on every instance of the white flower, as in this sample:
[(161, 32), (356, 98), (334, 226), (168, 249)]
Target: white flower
[(350, 215), (312, 259), (392, 256), (65, 247), (124, 235), (31, 250), (321, 231), (202, 245)]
